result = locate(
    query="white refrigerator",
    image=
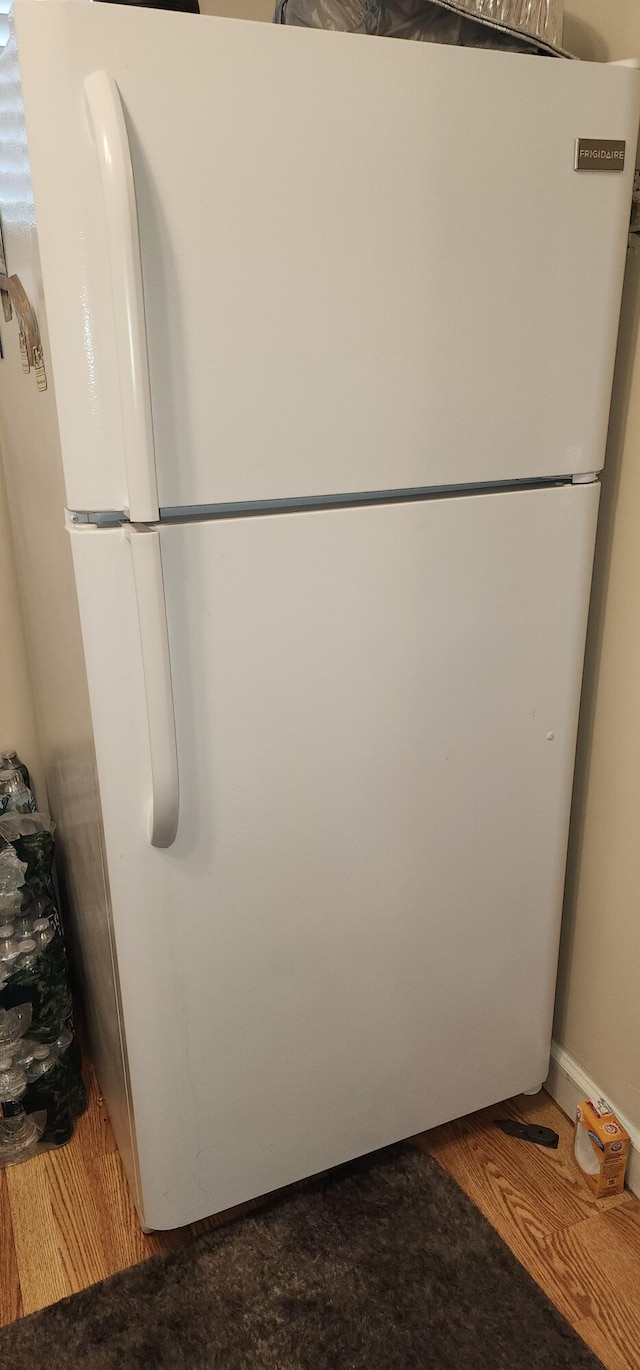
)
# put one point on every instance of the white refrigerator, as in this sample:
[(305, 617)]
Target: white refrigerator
[(329, 326)]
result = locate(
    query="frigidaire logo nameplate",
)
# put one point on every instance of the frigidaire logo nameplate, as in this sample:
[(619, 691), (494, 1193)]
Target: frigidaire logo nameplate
[(599, 154)]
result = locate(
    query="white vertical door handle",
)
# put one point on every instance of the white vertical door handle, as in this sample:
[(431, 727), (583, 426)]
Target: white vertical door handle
[(156, 665), (109, 133)]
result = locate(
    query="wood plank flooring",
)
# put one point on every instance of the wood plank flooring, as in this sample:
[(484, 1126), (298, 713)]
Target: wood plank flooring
[(584, 1252), (66, 1220)]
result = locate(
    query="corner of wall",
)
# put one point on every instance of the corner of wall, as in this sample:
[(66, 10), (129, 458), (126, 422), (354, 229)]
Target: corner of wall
[(18, 728), (598, 1004)]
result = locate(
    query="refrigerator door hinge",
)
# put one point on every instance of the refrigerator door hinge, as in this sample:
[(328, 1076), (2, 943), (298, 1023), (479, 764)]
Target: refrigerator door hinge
[(584, 478), (94, 518)]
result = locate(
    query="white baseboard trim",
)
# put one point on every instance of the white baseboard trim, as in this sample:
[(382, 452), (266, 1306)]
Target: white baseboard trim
[(568, 1083)]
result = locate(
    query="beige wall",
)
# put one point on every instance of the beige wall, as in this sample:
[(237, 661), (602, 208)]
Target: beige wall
[(239, 9), (602, 30), (598, 1005), (17, 722)]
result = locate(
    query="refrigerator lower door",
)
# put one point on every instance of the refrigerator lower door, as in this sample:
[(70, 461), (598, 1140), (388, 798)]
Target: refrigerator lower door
[(367, 264), (354, 935)]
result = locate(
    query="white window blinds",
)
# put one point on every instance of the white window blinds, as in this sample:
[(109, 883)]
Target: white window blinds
[(5, 6)]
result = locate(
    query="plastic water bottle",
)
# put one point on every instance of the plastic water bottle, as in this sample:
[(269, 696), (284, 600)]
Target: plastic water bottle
[(48, 1094), (43, 932), (37, 917), (13, 1081), (37, 974), (19, 1131), (10, 949), (14, 1022), (15, 796), (27, 953), (19, 1136), (43, 1059), (12, 887), (12, 759)]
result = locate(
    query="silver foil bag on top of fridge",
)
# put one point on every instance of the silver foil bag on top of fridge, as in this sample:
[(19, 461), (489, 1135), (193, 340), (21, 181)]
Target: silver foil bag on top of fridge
[(517, 25)]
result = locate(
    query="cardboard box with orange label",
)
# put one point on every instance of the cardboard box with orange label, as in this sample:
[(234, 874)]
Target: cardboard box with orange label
[(601, 1147)]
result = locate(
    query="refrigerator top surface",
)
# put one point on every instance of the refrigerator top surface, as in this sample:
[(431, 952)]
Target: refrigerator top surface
[(365, 264)]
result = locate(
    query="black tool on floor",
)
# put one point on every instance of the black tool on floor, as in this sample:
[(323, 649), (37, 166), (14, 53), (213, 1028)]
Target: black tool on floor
[(529, 1132)]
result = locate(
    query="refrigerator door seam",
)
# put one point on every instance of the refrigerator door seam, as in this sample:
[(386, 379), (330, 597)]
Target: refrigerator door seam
[(252, 508), (192, 513)]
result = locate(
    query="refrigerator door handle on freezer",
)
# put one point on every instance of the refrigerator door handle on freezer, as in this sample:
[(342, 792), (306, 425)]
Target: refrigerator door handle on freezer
[(109, 133), (156, 665)]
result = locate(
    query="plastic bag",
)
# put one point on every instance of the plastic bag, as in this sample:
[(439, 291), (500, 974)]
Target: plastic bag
[(41, 978), (41, 1085), (12, 873), (515, 25), (31, 836)]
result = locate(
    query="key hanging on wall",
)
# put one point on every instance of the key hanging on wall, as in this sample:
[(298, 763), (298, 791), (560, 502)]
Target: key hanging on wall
[(4, 290), (24, 354), (31, 351)]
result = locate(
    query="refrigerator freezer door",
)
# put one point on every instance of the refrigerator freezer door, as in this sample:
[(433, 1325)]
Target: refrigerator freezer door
[(368, 264), (354, 935)]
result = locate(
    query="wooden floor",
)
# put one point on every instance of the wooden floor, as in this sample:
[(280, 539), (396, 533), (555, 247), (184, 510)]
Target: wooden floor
[(66, 1221)]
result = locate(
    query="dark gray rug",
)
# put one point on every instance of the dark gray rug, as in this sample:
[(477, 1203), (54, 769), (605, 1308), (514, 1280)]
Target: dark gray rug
[(384, 1265)]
